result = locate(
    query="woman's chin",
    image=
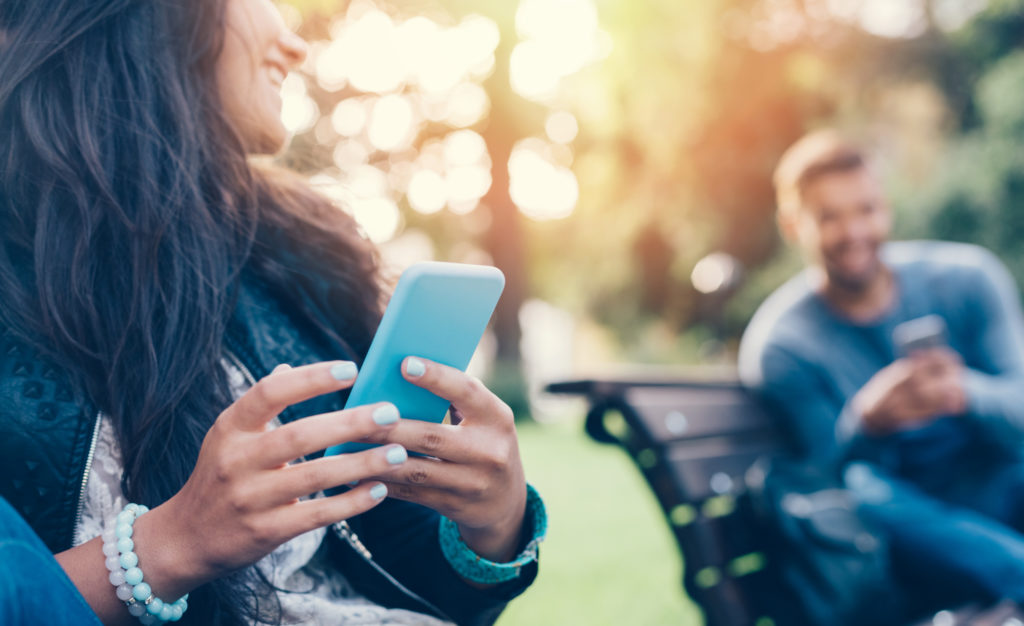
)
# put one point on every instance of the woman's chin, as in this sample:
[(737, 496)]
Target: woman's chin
[(269, 143)]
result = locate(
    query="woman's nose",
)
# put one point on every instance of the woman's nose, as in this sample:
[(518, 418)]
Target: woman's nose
[(294, 47)]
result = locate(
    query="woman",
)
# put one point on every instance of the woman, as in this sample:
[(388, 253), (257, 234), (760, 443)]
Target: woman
[(151, 275)]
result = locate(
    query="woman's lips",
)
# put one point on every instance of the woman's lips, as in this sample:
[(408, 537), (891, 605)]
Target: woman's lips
[(276, 73)]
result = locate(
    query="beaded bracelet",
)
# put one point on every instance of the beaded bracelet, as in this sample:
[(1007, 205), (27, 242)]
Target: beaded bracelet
[(126, 576), (476, 568)]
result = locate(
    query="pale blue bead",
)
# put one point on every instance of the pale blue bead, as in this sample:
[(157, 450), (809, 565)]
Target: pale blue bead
[(131, 506), (123, 530), (155, 606), (176, 612), (166, 612), (137, 609), (124, 591), (183, 603), (125, 517), (117, 578), (125, 545), (142, 509), (141, 591), (148, 619), (133, 576), (129, 560)]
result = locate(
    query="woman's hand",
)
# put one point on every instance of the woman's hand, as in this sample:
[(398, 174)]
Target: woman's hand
[(473, 474), (243, 499)]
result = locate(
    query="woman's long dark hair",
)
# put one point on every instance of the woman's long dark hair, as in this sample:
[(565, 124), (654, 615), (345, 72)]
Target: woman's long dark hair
[(128, 211)]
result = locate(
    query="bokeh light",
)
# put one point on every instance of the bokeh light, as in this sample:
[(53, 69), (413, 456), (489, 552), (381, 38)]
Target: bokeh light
[(298, 111), (392, 123), (379, 217), (349, 117), (407, 78), (427, 192), (542, 189), (561, 127), (560, 37)]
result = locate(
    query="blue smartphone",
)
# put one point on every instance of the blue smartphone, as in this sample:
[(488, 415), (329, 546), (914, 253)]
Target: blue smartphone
[(438, 311)]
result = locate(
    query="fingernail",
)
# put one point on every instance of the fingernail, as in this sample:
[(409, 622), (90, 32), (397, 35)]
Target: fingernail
[(385, 414), (415, 367), (346, 370), (396, 455), (281, 368), (378, 491)]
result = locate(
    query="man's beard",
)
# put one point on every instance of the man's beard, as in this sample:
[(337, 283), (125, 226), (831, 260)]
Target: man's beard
[(859, 283)]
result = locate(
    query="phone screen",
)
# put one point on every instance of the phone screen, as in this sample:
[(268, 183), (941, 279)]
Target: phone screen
[(922, 333)]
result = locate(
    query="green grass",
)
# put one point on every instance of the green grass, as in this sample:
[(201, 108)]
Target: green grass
[(609, 557)]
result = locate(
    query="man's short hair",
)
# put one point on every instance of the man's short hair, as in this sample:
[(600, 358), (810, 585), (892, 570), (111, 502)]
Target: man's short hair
[(813, 156)]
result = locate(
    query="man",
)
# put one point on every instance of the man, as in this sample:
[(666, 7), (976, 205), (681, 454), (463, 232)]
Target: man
[(930, 441)]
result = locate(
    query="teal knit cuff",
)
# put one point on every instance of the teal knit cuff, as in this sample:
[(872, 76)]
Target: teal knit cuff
[(474, 567)]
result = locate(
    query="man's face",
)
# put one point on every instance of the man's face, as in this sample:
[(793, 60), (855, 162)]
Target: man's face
[(841, 224)]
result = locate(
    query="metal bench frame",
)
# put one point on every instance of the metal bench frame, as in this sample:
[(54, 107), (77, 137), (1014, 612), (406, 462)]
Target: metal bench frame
[(693, 442)]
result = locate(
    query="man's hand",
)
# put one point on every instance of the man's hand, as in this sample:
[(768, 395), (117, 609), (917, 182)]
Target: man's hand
[(912, 391)]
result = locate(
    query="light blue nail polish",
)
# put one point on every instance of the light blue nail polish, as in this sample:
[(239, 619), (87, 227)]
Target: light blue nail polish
[(415, 367), (346, 370), (385, 414), (396, 455), (378, 491)]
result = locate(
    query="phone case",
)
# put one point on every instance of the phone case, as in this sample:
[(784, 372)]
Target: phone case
[(438, 311)]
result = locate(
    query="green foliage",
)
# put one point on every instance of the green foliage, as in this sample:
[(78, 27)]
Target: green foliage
[(999, 97), (979, 189)]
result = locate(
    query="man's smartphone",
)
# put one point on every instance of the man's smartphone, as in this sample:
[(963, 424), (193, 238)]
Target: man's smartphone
[(921, 333), (438, 311)]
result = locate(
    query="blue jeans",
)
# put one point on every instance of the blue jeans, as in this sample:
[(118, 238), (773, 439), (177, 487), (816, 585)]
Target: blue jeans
[(33, 587), (964, 544)]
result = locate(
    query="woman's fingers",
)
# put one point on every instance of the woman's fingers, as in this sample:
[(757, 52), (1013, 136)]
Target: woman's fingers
[(473, 400), (432, 497), (310, 514), (302, 479), (444, 441), (285, 387), (311, 434), (434, 473)]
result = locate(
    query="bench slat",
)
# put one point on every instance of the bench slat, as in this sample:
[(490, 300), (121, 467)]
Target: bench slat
[(670, 414)]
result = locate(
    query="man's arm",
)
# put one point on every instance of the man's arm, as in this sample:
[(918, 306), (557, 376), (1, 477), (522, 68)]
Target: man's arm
[(799, 393), (994, 377)]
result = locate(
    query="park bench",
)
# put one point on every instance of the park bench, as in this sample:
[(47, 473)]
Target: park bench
[(693, 441)]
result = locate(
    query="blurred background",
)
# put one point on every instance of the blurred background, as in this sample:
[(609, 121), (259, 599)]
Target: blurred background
[(614, 159)]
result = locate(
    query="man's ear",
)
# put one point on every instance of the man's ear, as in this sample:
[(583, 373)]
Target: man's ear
[(787, 222)]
